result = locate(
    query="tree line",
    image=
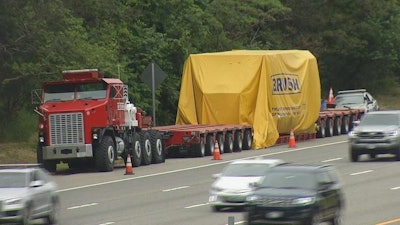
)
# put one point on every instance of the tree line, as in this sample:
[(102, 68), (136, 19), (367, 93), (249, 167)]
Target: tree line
[(355, 42)]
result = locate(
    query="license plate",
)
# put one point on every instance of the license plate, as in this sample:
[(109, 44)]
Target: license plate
[(274, 214)]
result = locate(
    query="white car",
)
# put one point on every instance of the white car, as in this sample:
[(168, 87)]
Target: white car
[(26, 194), (233, 184)]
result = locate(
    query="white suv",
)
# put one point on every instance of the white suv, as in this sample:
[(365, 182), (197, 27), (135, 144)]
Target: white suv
[(356, 99)]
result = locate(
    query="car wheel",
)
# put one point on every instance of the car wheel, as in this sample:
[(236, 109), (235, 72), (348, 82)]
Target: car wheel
[(26, 216), (372, 155), (315, 219), (353, 155), (337, 219), (52, 218), (215, 208), (398, 155)]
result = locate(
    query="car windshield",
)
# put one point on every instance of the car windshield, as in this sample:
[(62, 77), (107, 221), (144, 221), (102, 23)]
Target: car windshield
[(13, 180), (289, 180), (349, 99), (68, 92), (245, 170), (380, 119)]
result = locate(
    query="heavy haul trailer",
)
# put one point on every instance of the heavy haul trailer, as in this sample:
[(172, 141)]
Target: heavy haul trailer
[(199, 140), (336, 121)]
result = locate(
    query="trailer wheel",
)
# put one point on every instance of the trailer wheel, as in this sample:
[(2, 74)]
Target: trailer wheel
[(238, 142), (247, 140), (321, 129), (157, 146), (345, 124), (220, 141), (145, 147), (209, 145), (329, 128), (228, 144), (105, 155), (351, 121), (135, 150), (337, 126), (200, 149)]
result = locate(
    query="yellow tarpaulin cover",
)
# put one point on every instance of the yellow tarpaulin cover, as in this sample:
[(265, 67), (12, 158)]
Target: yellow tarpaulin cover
[(274, 91)]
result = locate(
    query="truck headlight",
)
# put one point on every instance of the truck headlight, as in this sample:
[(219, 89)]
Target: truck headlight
[(393, 133)]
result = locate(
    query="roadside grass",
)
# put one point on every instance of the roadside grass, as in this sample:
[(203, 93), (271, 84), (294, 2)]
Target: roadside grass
[(25, 152)]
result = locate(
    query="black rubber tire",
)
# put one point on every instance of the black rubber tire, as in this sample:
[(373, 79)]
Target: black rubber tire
[(337, 126), (398, 155), (353, 156), (345, 124), (337, 219), (228, 144), (351, 121), (39, 153), (53, 216), (157, 146), (209, 145), (238, 141), (215, 208), (321, 129), (26, 215), (145, 146), (105, 155), (329, 127), (135, 150), (247, 139), (199, 149), (220, 142)]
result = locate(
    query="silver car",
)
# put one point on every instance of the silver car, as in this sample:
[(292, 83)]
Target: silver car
[(26, 194), (356, 99), (377, 133), (233, 184)]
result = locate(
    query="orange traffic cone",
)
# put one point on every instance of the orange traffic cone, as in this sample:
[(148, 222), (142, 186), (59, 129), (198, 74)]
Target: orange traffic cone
[(331, 98), (129, 168), (217, 154), (292, 141)]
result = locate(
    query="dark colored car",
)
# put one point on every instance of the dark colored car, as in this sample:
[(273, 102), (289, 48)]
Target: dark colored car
[(297, 194), (377, 133)]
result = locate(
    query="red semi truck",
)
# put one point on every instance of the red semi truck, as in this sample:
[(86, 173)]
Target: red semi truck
[(88, 120)]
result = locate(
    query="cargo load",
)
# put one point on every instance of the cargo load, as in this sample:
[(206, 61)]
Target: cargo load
[(274, 91)]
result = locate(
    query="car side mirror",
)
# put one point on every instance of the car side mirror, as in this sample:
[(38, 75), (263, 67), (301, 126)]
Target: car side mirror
[(36, 183), (324, 185)]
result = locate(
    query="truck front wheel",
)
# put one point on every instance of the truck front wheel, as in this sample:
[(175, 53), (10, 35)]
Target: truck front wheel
[(105, 155), (49, 165)]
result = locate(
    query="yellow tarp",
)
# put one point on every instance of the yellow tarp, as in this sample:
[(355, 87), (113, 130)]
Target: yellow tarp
[(274, 91)]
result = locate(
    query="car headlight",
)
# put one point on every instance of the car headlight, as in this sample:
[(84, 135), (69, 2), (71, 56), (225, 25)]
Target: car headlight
[(353, 133), (13, 201), (303, 201), (252, 198), (393, 133)]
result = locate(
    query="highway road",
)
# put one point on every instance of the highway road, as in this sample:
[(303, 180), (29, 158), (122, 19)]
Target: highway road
[(176, 192)]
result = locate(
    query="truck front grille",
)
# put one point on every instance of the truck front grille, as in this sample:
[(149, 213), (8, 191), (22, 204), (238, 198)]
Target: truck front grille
[(66, 128)]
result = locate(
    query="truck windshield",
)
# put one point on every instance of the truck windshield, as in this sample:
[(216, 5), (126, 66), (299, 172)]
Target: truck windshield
[(68, 92)]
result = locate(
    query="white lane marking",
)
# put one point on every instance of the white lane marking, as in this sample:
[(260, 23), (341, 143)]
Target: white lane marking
[(107, 223), (362, 172), (193, 206), (195, 167), (238, 222), (81, 206), (395, 188), (331, 160), (174, 189)]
